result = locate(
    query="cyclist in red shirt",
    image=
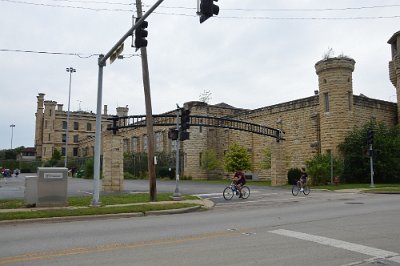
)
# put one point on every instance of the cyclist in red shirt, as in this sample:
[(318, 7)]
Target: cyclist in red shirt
[(239, 181)]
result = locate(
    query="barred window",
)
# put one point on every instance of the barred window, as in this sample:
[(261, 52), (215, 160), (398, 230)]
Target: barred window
[(159, 141), (135, 144), (326, 98)]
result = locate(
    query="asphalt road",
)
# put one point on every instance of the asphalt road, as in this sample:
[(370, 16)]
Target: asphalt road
[(270, 228)]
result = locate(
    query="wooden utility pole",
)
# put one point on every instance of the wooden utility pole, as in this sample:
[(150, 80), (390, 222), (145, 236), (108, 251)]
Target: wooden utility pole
[(149, 115)]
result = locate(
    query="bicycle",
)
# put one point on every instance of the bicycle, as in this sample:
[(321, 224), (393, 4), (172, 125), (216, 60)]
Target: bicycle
[(232, 190), (297, 187)]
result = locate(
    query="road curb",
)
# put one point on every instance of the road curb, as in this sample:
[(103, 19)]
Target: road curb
[(205, 204), (173, 211)]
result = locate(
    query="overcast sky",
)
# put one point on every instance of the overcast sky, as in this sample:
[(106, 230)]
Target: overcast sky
[(255, 53)]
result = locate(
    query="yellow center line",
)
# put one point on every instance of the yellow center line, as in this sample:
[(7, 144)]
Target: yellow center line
[(116, 246)]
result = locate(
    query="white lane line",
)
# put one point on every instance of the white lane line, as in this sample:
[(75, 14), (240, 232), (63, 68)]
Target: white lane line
[(374, 252), (395, 259)]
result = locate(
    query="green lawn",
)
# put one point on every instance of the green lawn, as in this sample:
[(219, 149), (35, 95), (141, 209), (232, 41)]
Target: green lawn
[(82, 206), (357, 186)]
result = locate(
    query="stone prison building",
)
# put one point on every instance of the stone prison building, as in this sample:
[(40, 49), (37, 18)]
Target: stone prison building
[(312, 125)]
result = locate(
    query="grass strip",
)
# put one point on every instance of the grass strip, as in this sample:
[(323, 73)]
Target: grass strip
[(142, 208), (108, 199), (356, 186)]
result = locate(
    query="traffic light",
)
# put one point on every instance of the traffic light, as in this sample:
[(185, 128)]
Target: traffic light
[(208, 9), (184, 135), (370, 136), (141, 34), (185, 119), (173, 134)]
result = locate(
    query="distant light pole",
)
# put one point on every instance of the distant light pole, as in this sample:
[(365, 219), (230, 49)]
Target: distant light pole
[(12, 133), (70, 70)]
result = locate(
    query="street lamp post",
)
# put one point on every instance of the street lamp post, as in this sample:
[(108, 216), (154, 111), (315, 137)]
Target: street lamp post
[(12, 133), (70, 70)]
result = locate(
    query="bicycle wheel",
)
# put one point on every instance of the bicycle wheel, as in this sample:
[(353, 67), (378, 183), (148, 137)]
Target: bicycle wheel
[(306, 190), (228, 193), (295, 190), (245, 192)]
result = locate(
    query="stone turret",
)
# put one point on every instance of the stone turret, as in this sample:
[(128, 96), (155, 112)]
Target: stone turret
[(394, 68), (49, 116), (39, 125), (122, 111), (335, 101)]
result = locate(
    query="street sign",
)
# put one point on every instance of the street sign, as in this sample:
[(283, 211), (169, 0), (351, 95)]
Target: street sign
[(116, 53)]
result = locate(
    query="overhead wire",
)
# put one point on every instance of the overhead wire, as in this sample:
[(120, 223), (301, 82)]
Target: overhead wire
[(220, 17), (80, 55)]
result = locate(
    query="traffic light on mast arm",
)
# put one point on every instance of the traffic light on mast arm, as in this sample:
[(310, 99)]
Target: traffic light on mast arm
[(208, 9), (185, 119), (141, 34)]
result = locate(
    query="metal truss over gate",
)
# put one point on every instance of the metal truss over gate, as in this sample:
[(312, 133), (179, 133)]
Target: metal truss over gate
[(135, 121)]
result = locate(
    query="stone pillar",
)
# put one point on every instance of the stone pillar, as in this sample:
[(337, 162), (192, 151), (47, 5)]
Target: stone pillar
[(278, 164), (113, 159)]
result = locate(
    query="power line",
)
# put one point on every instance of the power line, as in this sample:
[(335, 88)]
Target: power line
[(222, 17), (240, 9), (286, 18), (80, 55), (309, 9), (94, 2), (65, 6)]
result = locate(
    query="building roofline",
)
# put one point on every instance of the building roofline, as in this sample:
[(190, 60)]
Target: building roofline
[(393, 38)]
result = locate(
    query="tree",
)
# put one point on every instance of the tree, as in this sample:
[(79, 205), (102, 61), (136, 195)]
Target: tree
[(266, 161), (10, 154), (205, 96), (55, 157), (209, 161), (319, 168), (386, 155), (89, 168), (237, 158)]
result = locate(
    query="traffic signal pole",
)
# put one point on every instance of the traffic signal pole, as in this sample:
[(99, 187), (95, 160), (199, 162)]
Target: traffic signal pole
[(208, 10), (149, 114), (177, 194), (97, 151), (371, 163)]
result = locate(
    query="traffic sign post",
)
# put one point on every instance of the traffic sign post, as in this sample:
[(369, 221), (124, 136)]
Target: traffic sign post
[(371, 163)]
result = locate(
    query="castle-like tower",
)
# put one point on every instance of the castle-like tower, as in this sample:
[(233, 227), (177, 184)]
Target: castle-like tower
[(335, 101), (39, 125), (51, 125), (394, 68)]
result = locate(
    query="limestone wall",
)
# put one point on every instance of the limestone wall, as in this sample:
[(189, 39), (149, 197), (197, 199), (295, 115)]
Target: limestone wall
[(366, 109)]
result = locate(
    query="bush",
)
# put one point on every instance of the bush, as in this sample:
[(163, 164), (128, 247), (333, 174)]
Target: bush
[(165, 172), (237, 158), (319, 169), (386, 154), (293, 175), (89, 168)]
